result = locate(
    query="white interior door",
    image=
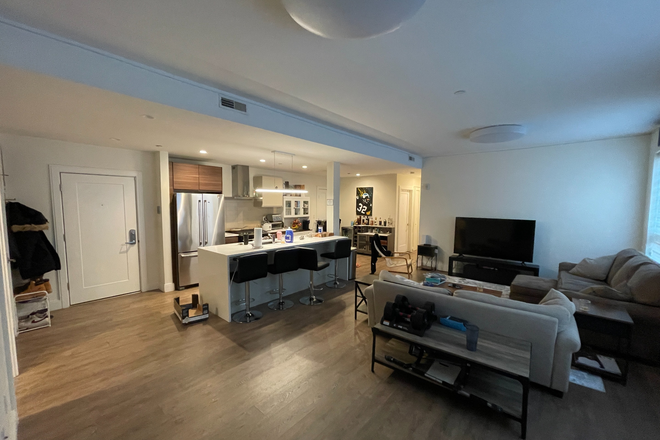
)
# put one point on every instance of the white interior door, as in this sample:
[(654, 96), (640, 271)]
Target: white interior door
[(403, 221), (102, 254), (321, 208)]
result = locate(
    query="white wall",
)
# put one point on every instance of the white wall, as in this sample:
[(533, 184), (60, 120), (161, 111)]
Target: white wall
[(385, 196), (588, 199), (26, 163)]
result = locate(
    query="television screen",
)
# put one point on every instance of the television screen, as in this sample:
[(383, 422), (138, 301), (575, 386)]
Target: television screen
[(495, 238)]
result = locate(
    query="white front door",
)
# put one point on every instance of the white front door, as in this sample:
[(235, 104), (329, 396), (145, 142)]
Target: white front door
[(403, 223), (102, 257)]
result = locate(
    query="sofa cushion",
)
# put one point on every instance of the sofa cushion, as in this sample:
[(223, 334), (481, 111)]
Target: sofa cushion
[(568, 281), (556, 298), (621, 278), (398, 279), (644, 285), (559, 312), (531, 286), (609, 292), (594, 268), (620, 259)]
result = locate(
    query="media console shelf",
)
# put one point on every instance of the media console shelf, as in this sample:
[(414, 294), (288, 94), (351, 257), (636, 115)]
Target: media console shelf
[(488, 269)]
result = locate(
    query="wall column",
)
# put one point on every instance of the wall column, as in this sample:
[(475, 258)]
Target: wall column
[(332, 195), (167, 279)]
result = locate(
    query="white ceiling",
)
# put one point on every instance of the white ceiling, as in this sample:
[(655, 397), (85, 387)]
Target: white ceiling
[(568, 70), (38, 105)]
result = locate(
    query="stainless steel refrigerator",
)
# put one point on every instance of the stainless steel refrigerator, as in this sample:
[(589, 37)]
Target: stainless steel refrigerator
[(200, 222)]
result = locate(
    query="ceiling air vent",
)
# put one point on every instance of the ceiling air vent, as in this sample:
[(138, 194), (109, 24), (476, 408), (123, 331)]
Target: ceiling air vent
[(234, 105)]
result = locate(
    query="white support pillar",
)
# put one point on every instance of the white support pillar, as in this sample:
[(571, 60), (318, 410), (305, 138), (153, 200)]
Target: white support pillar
[(167, 278), (332, 195)]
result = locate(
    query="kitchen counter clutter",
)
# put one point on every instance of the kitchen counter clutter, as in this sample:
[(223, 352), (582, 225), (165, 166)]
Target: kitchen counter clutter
[(216, 264)]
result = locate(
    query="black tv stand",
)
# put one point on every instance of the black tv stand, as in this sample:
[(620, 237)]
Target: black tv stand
[(490, 270)]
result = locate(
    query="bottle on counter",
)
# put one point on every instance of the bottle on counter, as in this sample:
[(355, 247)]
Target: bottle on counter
[(288, 236)]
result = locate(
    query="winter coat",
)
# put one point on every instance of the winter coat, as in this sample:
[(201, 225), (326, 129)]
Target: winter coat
[(28, 245)]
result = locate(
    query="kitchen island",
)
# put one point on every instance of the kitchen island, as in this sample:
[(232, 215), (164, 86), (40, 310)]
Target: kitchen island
[(216, 263)]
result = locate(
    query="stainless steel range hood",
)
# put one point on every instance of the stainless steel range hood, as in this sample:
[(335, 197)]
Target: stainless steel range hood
[(240, 182)]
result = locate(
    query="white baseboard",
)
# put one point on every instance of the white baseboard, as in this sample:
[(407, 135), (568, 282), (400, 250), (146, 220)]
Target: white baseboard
[(168, 287)]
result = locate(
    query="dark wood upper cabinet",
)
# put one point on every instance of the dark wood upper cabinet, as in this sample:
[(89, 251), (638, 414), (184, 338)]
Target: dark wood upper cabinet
[(201, 178), (210, 179), (185, 177)]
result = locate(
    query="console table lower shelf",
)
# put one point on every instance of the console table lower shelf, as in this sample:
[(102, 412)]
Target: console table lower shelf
[(496, 375)]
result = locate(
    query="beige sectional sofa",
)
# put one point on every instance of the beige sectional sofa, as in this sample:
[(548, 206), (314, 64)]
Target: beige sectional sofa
[(550, 329), (631, 281)]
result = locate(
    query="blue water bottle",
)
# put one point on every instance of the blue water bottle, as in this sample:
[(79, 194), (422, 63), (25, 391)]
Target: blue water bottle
[(288, 236)]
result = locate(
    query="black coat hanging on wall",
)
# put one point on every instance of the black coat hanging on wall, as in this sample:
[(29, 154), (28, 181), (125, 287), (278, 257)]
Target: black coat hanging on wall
[(28, 245)]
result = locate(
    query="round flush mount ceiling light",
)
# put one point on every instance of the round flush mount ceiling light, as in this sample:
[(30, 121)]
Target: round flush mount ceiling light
[(497, 133), (351, 18)]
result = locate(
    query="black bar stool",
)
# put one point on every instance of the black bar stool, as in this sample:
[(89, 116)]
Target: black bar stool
[(250, 267), (284, 260), (307, 259), (342, 250)]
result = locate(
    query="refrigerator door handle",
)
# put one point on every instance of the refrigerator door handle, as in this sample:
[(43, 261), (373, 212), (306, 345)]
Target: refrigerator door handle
[(189, 255), (199, 220), (206, 227)]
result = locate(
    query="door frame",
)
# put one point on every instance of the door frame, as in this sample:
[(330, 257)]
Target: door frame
[(58, 222), (411, 194)]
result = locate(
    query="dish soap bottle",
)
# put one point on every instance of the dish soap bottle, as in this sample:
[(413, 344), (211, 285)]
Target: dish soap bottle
[(288, 236)]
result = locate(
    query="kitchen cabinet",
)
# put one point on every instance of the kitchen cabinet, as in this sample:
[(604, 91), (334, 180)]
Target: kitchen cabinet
[(191, 177), (296, 207), (268, 199), (210, 179)]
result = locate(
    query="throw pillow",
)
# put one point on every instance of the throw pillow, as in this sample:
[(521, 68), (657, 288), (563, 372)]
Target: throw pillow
[(645, 285), (620, 294), (556, 298), (594, 268), (628, 270)]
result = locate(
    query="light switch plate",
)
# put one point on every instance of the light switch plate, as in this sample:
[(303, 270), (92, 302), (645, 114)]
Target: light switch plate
[(330, 202)]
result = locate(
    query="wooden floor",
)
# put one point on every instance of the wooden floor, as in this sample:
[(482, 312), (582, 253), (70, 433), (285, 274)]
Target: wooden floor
[(125, 368)]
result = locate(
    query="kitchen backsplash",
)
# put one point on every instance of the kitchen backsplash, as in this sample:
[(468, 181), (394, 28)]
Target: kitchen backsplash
[(240, 213)]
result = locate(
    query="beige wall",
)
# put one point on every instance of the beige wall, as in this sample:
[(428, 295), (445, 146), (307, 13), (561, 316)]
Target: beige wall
[(588, 199), (28, 181), (385, 191)]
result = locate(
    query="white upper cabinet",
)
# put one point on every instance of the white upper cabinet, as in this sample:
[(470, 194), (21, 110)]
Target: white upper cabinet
[(268, 199)]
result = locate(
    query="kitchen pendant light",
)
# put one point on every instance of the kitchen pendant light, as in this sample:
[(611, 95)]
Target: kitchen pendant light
[(351, 18)]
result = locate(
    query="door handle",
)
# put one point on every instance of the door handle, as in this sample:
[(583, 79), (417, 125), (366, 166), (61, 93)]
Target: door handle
[(206, 232), (199, 220), (132, 238), (191, 255)]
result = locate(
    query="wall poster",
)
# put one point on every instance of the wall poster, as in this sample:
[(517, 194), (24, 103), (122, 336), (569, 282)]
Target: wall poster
[(364, 201)]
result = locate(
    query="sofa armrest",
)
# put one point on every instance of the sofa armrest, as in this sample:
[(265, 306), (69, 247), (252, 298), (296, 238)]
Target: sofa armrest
[(567, 343), (566, 267), (371, 307)]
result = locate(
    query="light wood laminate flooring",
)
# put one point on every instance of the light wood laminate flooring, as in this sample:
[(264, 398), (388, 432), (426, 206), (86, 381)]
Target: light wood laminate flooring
[(125, 368)]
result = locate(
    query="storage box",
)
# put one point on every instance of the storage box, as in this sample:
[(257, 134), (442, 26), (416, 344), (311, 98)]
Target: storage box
[(191, 312)]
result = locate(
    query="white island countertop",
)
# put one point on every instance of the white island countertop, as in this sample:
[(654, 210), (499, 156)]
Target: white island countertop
[(235, 249), (216, 264)]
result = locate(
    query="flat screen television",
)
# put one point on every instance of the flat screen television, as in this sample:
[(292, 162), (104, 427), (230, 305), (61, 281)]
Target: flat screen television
[(495, 238)]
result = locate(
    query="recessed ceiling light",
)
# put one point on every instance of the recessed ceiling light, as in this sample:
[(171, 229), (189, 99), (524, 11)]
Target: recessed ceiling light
[(357, 174), (460, 92), (159, 146), (202, 151), (148, 117), (262, 160), (304, 166), (497, 133), (115, 139)]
